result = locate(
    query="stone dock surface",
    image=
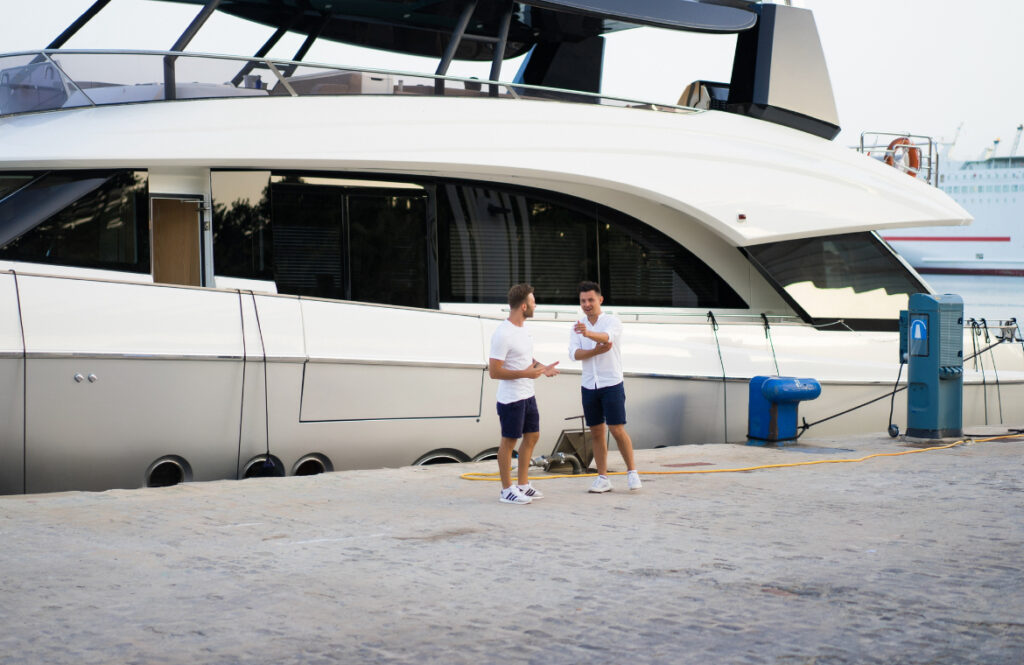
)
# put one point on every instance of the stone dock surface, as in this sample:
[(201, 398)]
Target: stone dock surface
[(915, 558)]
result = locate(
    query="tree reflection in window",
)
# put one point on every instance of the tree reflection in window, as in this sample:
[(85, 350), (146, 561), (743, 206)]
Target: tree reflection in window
[(106, 227)]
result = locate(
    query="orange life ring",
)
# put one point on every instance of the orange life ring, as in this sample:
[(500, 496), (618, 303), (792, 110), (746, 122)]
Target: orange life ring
[(913, 155)]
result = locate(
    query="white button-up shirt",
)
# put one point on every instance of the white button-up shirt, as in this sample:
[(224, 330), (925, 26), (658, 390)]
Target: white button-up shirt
[(602, 370)]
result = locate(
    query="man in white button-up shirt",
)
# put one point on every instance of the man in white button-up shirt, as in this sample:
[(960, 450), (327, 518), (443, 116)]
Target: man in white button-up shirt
[(595, 340)]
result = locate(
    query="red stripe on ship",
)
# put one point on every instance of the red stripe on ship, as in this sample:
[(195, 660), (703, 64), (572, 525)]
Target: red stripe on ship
[(947, 238)]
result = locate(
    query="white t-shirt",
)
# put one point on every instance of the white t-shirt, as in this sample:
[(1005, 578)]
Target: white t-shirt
[(513, 345), (605, 369)]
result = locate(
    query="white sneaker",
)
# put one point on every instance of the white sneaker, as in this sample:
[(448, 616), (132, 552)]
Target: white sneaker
[(601, 484), (633, 478), (530, 491), (513, 495)]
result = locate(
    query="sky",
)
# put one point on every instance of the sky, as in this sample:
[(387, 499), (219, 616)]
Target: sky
[(937, 68)]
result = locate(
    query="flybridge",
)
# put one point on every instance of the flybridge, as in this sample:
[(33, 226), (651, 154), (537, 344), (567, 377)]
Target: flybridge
[(779, 73), (56, 79)]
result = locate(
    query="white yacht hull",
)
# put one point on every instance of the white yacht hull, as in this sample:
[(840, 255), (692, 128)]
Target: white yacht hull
[(115, 378)]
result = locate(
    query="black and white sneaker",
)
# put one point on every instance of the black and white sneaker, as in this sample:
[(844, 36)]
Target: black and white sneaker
[(530, 491), (513, 495)]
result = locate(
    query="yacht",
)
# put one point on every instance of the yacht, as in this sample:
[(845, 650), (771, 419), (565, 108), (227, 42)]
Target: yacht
[(218, 267)]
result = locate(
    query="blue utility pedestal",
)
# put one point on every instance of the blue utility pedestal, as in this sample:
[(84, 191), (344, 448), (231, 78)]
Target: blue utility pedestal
[(934, 348), (772, 410)]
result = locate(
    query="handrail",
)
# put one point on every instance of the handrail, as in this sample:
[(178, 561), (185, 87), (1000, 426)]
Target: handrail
[(881, 146), (72, 93)]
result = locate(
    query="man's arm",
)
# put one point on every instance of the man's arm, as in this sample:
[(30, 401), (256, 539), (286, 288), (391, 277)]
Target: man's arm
[(597, 337), (497, 370), (602, 347)]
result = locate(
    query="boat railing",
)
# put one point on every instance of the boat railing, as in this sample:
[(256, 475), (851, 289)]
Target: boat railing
[(913, 154), (53, 79)]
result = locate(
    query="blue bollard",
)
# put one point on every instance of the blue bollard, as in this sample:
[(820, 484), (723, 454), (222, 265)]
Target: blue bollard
[(772, 410)]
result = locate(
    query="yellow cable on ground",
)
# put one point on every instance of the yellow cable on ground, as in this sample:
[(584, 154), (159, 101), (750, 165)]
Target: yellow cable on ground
[(495, 476)]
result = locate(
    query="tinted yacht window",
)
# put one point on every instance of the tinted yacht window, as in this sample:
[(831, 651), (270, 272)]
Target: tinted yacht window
[(309, 252), (387, 234), (351, 239), (243, 244), (644, 267), (852, 276), (493, 238), (90, 220), (418, 243), (11, 182)]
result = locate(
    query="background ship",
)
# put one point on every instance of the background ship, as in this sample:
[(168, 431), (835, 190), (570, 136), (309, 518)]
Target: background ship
[(991, 188)]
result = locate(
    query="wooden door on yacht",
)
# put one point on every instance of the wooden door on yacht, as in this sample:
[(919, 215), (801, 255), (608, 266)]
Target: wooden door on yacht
[(176, 241)]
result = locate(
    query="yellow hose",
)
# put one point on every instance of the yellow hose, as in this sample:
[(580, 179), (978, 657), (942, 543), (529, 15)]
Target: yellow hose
[(495, 476)]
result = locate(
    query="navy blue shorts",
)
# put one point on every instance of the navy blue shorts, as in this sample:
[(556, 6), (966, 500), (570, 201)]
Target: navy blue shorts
[(518, 418), (606, 404)]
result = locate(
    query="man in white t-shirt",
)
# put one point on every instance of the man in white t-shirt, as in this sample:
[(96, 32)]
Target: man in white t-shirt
[(511, 361), (596, 340)]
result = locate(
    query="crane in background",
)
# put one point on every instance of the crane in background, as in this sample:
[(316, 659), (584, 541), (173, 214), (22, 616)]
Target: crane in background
[(1016, 140)]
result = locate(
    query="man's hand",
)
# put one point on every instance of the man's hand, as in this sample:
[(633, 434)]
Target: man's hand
[(580, 328), (602, 347), (549, 370), (534, 371)]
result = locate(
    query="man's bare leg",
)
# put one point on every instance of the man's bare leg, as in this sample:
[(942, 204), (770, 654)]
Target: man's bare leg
[(525, 455), (505, 461), (599, 439), (624, 443)]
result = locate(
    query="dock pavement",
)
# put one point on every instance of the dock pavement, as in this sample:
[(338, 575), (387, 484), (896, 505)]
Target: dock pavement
[(914, 558)]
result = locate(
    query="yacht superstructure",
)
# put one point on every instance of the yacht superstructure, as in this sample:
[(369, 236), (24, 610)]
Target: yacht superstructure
[(217, 267)]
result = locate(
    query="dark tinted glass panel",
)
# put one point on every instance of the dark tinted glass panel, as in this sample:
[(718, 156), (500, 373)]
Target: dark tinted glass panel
[(243, 244), (851, 276), (643, 267), (388, 251), (308, 243), (493, 239), (561, 250), (10, 182), (106, 225)]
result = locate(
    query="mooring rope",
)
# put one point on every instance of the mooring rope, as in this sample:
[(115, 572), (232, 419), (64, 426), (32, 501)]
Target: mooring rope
[(768, 335), (721, 361)]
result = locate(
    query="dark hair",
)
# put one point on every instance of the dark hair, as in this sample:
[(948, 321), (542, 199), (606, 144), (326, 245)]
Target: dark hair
[(517, 295), (590, 286)]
